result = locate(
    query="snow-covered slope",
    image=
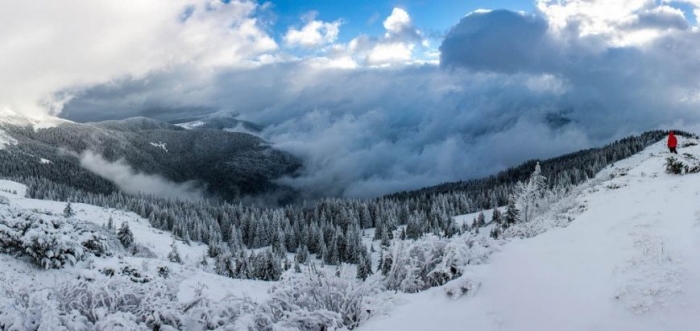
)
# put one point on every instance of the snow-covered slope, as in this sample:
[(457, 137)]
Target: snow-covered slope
[(188, 276), (630, 260)]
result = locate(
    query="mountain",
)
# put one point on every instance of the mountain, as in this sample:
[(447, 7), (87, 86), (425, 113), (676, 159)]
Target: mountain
[(617, 251), (226, 121), (229, 165), (626, 259)]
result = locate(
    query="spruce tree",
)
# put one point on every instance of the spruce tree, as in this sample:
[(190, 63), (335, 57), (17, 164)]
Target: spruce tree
[(126, 237), (110, 223), (68, 211), (481, 220), (496, 217), (174, 255), (512, 215)]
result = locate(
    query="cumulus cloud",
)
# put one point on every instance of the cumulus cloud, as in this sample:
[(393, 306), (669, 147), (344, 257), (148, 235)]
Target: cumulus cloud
[(132, 182), (314, 33), (510, 87), (498, 40), (52, 46), (398, 44), (612, 23)]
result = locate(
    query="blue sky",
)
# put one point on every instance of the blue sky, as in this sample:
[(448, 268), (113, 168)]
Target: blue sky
[(366, 16)]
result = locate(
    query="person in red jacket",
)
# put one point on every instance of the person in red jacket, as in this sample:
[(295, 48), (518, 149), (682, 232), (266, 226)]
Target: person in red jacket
[(672, 142)]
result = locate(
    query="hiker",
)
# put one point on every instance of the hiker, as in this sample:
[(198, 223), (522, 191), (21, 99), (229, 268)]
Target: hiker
[(672, 142)]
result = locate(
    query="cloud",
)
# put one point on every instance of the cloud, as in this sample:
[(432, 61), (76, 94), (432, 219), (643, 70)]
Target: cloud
[(509, 87), (498, 40), (314, 33), (396, 46), (612, 23), (47, 47), (129, 181)]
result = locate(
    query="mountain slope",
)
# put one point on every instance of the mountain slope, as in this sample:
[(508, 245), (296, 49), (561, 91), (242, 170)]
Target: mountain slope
[(229, 164), (629, 261), (226, 121)]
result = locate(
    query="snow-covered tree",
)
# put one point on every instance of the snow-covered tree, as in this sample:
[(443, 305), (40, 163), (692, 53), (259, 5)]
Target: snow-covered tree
[(110, 223), (528, 194), (174, 255), (68, 211), (496, 218), (126, 237), (512, 215)]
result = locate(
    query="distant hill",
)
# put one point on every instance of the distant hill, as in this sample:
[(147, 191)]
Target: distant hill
[(225, 121), (230, 164)]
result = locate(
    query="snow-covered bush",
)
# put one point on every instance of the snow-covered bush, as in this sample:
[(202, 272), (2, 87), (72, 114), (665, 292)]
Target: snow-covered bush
[(51, 242), (431, 261), (317, 299), (464, 285)]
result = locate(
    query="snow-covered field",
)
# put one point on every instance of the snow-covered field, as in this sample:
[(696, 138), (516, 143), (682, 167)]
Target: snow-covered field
[(629, 261), (621, 253), (157, 241)]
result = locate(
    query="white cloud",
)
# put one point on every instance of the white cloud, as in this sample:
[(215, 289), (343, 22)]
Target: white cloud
[(511, 87), (132, 182), (314, 33), (614, 23), (384, 53), (57, 45), (397, 21)]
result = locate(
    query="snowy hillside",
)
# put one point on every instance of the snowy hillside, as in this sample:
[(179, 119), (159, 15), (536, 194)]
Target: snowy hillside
[(629, 261), (618, 252), (186, 280)]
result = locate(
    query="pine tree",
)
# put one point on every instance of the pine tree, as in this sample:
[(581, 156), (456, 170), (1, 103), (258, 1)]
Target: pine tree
[(126, 237), (174, 255), (204, 262), (529, 193), (68, 211), (110, 223), (387, 264), (496, 217), (302, 255), (512, 215), (386, 242), (362, 272), (495, 232), (481, 220)]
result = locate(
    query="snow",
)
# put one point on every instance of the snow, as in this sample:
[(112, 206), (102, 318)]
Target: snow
[(37, 122), (44, 161), (157, 241), (628, 261), (217, 288), (190, 125), (161, 145), (6, 140)]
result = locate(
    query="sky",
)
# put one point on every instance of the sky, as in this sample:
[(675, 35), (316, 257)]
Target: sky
[(375, 96)]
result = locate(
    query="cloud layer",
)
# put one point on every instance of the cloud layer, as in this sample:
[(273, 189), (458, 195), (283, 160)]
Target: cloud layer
[(374, 115), (132, 182)]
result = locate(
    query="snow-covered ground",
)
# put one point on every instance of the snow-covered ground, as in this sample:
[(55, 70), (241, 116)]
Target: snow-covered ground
[(630, 260), (192, 278)]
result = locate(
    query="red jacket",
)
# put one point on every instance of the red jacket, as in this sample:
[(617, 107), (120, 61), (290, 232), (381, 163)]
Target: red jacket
[(672, 141)]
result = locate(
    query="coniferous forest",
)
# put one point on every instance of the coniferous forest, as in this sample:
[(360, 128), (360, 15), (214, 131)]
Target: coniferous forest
[(331, 228)]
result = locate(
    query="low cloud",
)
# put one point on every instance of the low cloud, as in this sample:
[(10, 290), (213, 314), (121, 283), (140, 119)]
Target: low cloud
[(509, 87), (133, 182)]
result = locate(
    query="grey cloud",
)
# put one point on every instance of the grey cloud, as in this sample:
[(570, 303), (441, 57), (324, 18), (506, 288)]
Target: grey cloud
[(130, 181), (366, 132), (659, 19), (499, 40)]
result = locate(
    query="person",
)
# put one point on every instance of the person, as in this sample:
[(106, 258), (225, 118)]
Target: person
[(672, 142)]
